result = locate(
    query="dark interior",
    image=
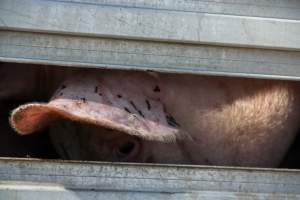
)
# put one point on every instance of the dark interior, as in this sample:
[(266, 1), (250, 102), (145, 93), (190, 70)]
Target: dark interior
[(38, 145)]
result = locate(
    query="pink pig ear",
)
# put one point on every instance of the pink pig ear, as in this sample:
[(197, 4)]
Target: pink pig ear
[(103, 101)]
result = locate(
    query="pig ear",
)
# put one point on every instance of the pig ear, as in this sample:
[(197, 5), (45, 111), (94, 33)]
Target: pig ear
[(130, 114), (29, 118)]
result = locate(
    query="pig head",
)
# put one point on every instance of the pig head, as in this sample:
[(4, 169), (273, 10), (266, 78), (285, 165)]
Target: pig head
[(165, 118)]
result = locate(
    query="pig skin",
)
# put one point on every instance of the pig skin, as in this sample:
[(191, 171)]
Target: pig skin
[(229, 121), (234, 121)]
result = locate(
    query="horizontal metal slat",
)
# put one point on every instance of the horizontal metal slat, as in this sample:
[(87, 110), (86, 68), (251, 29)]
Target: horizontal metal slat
[(287, 9), (107, 179), (166, 57), (104, 19), (25, 191), (169, 36)]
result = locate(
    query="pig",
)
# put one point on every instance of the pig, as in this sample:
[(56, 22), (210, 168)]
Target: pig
[(110, 115), (77, 141)]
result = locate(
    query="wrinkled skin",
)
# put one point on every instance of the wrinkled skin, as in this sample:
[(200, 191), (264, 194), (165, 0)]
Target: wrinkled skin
[(230, 121)]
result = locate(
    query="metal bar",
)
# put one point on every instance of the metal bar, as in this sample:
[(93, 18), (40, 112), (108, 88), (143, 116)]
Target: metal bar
[(25, 191), (104, 19), (288, 9), (148, 180), (165, 57)]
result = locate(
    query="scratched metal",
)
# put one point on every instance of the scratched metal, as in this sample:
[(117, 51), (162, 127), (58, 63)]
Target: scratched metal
[(163, 35), (288, 9), (129, 54), (236, 24), (25, 179)]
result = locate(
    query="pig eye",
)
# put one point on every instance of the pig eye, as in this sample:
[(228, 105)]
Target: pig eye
[(127, 150)]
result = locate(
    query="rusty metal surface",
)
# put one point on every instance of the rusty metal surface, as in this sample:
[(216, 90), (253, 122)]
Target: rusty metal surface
[(94, 180)]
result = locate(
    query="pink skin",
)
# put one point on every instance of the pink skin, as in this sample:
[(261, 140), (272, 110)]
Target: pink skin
[(228, 121), (234, 121)]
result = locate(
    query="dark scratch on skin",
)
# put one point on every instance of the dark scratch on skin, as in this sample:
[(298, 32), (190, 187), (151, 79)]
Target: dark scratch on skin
[(127, 110), (156, 89), (100, 94), (119, 96), (96, 89), (141, 114), (139, 111), (148, 104), (171, 121), (83, 99), (133, 105), (134, 115)]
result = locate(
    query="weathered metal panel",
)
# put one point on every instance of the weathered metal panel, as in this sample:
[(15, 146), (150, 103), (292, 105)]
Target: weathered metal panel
[(36, 192), (24, 179), (162, 35), (288, 9), (177, 23), (256, 39), (130, 54)]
